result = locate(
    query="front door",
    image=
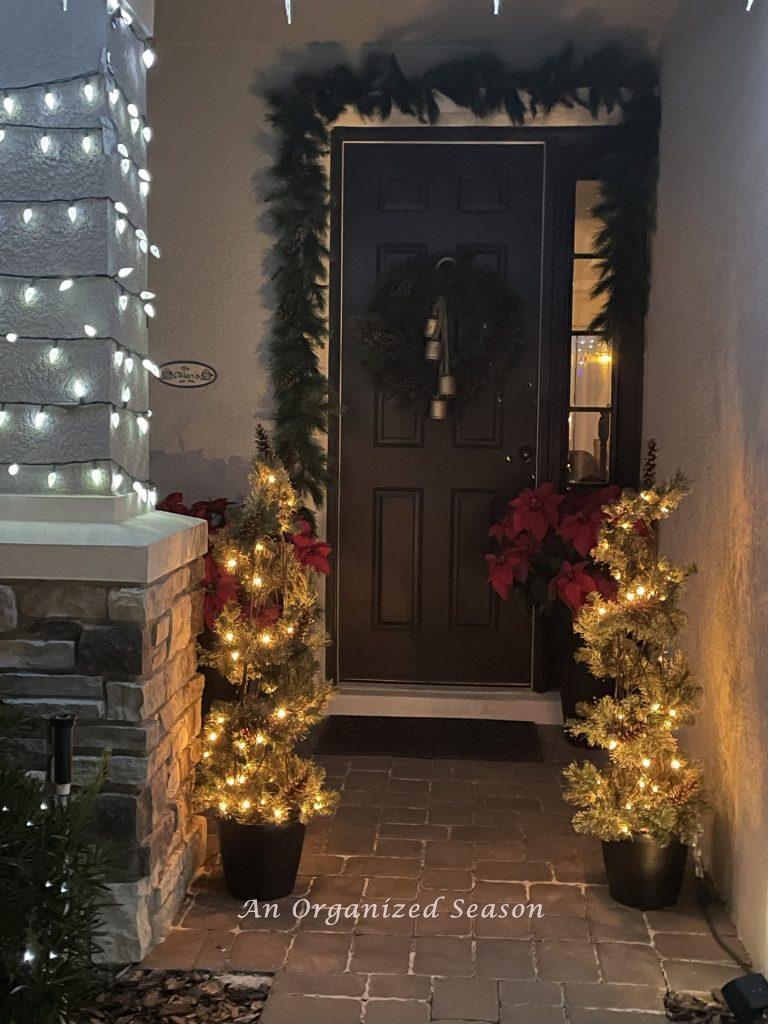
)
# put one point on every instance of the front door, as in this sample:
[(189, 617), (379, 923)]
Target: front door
[(415, 496)]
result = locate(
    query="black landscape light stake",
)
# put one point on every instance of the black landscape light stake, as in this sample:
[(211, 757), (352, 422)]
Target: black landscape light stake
[(61, 731), (747, 998)]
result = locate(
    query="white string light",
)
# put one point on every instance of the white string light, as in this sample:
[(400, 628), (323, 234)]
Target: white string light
[(36, 103), (121, 352), (33, 210), (100, 474)]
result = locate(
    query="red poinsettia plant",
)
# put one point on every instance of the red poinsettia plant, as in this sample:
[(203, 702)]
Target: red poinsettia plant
[(220, 586), (543, 545)]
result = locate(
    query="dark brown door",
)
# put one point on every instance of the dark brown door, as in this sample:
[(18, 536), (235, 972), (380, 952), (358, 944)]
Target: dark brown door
[(415, 496)]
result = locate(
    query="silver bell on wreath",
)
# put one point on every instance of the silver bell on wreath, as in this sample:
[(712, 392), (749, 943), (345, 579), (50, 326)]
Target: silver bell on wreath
[(433, 351), (438, 409), (446, 385)]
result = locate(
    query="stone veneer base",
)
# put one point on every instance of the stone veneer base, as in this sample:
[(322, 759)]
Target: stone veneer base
[(100, 621)]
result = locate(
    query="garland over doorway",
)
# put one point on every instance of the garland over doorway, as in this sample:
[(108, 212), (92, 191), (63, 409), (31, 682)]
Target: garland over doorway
[(303, 114)]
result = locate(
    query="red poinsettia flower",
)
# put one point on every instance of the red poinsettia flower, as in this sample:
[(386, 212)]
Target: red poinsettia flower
[(503, 530), (607, 587), (572, 585), (511, 566), (600, 498), (267, 616), (219, 587), (524, 547), (501, 573), (213, 511), (309, 550), (173, 502), (586, 514), (536, 511), (581, 529)]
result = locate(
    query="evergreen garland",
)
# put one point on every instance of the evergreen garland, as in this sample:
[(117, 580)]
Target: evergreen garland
[(302, 115)]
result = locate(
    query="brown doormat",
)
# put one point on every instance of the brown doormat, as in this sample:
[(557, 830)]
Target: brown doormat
[(466, 739)]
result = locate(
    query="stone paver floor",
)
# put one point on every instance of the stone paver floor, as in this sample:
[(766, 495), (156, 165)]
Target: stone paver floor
[(411, 831)]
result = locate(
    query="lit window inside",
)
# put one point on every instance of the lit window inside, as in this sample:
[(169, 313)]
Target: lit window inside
[(591, 389)]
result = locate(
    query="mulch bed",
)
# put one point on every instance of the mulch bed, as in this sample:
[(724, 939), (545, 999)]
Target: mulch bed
[(181, 997), (691, 1010)]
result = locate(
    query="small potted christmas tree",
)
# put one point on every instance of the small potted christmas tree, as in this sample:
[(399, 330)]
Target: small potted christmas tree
[(250, 776), (645, 804)]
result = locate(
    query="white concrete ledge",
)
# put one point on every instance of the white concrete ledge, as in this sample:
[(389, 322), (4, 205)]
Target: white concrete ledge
[(409, 700), (136, 550)]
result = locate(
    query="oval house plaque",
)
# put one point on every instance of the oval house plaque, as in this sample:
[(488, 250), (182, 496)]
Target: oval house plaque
[(187, 373)]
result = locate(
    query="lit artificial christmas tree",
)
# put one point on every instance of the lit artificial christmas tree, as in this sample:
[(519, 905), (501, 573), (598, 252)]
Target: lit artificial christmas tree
[(648, 791), (266, 642)]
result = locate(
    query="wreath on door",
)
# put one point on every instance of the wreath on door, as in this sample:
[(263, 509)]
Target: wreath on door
[(439, 333)]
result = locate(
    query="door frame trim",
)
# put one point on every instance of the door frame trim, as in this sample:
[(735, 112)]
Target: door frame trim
[(584, 146)]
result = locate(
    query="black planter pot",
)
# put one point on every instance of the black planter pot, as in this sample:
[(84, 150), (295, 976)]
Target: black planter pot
[(643, 873), (575, 682), (260, 861)]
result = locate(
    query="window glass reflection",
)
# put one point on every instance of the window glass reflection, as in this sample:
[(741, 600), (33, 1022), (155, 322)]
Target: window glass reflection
[(589, 446), (586, 224), (585, 308), (591, 370)]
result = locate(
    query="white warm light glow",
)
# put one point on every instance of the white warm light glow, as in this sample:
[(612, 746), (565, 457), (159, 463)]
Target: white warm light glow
[(75, 385)]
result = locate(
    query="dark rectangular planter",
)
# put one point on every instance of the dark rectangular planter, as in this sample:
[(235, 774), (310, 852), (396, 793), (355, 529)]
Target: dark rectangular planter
[(260, 861), (643, 873)]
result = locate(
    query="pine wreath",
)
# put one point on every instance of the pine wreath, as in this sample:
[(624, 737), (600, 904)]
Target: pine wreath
[(486, 331)]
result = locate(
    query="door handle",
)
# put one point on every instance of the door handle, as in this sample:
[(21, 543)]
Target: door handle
[(526, 453)]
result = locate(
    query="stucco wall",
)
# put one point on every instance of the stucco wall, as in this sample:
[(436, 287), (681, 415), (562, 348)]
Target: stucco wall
[(38, 188), (211, 137), (706, 376)]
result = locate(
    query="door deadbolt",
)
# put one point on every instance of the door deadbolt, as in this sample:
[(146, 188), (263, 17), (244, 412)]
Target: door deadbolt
[(526, 453)]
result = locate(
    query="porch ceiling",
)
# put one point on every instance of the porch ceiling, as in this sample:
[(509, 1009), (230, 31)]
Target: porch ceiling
[(524, 30)]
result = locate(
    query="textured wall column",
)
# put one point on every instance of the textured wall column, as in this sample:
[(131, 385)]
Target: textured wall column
[(74, 249), (99, 593)]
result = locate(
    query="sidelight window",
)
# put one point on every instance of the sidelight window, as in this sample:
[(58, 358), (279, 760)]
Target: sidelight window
[(592, 370)]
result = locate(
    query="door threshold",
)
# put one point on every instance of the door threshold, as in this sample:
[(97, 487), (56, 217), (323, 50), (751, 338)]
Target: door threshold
[(414, 700)]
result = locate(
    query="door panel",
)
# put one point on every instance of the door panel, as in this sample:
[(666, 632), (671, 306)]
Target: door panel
[(416, 496)]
